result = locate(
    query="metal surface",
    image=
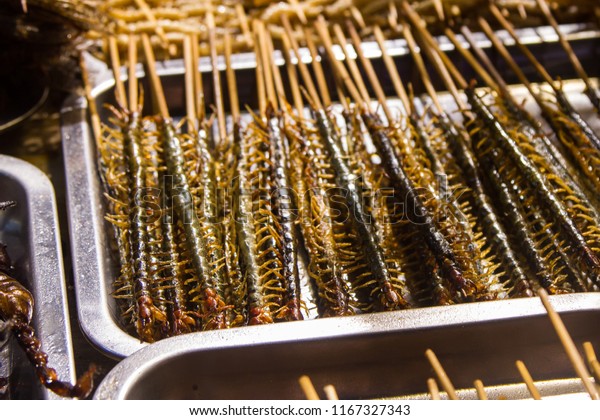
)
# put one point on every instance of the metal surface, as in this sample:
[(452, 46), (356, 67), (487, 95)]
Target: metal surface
[(30, 231), (365, 356), (95, 269)]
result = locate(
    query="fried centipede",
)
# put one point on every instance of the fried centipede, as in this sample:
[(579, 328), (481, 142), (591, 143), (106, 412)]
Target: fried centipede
[(539, 184)]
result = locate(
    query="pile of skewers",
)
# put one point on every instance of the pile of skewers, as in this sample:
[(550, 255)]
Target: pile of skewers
[(215, 223), (590, 379)]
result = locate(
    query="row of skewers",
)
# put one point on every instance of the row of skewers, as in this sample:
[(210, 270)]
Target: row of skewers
[(384, 211), (589, 375)]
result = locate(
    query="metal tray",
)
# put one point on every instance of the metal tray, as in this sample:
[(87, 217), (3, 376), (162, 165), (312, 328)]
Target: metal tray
[(30, 230), (95, 270), (365, 356)]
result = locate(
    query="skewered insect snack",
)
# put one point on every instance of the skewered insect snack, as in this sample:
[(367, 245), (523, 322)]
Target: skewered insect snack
[(255, 202)]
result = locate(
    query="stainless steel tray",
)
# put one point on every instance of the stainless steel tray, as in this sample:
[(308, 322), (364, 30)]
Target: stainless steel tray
[(95, 271), (366, 356), (30, 230)]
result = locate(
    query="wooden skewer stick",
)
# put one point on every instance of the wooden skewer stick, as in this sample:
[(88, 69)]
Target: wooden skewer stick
[(392, 69), (154, 79), (472, 60), (535, 394), (241, 13), (358, 17), (510, 29), (441, 374), (116, 69), (288, 37), (299, 11), (480, 389), (94, 117), (569, 345), (317, 67), (308, 388), (212, 41), (198, 88), (234, 103), (152, 19), (433, 389), (439, 9), (337, 65), (590, 355), (374, 80), (570, 53), (351, 62), (420, 27), (292, 76), (266, 64), (190, 96), (507, 57), (260, 80), (279, 89), (331, 392), (132, 81), (483, 57), (564, 43), (412, 46)]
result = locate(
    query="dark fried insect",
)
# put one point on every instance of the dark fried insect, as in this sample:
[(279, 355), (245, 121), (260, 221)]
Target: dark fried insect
[(418, 213), (284, 204), (347, 181), (538, 182), (16, 309), (491, 227)]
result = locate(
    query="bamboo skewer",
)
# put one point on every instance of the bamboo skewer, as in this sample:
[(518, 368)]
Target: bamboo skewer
[(483, 57), (421, 66), (472, 61), (212, 41), (113, 49), (317, 67), (569, 345), (94, 117), (374, 80), (392, 69), (337, 65), (266, 63), (433, 389), (260, 80), (132, 78), (299, 11), (308, 388), (279, 89), (565, 44), (593, 363), (198, 88), (441, 374), (510, 29), (351, 62), (190, 97), (241, 13), (292, 76), (152, 19), (288, 37), (331, 392), (480, 389), (234, 103), (159, 94), (437, 56), (524, 372)]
